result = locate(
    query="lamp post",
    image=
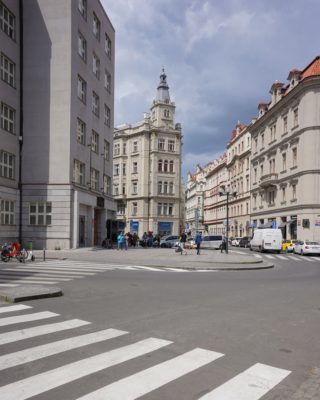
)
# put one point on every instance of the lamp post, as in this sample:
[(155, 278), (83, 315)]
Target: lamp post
[(227, 193)]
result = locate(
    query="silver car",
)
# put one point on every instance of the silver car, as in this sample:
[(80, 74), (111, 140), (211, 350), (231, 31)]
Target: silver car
[(168, 241), (305, 247)]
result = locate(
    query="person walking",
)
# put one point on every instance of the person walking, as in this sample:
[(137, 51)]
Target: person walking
[(223, 245), (198, 240), (183, 239)]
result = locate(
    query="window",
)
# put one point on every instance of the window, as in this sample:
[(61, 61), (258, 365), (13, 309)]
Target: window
[(166, 113), (95, 104), (116, 149), (171, 191), (8, 116), (79, 174), (165, 187), (7, 212), (134, 208), (256, 144), (82, 89), (165, 209), (107, 114), (272, 166), (95, 142), (135, 146), (283, 193), (116, 190), (106, 184), (124, 148), (161, 143), (7, 162), (96, 65), (273, 132), (171, 144), (262, 140), (124, 169), (294, 191), (96, 26), (135, 167), (285, 124), (160, 165), (81, 131), (106, 150), (255, 174), (121, 210), (82, 47), (94, 179), (123, 188), (107, 81), (294, 157), (134, 187), (271, 197), (8, 70), (116, 169), (7, 21), (82, 7), (171, 164), (108, 46), (295, 117), (165, 166), (159, 187), (261, 170), (40, 213)]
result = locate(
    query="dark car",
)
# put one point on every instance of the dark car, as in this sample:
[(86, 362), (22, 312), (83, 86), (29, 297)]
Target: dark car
[(244, 241)]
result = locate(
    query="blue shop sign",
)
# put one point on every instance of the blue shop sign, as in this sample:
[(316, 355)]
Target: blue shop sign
[(134, 225), (165, 226)]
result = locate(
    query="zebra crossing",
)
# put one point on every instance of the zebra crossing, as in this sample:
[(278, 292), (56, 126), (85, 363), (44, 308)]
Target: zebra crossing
[(283, 257), (251, 384)]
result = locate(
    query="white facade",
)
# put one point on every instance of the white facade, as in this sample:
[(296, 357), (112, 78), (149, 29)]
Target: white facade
[(194, 201), (147, 170), (68, 98), (285, 164)]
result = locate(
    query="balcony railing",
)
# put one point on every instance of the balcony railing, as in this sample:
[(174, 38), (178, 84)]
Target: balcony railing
[(269, 179)]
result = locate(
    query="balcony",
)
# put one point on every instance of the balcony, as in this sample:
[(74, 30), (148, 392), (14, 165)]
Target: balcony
[(269, 180)]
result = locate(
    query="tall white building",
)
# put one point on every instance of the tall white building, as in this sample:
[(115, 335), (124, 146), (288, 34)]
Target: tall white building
[(285, 163), (194, 198), (67, 101), (147, 169)]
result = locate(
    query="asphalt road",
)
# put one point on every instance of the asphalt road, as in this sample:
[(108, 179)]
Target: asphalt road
[(243, 321)]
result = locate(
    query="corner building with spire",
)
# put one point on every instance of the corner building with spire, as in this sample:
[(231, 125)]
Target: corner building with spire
[(147, 170)]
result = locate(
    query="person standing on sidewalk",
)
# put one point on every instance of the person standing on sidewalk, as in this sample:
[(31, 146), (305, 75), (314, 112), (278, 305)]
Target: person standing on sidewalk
[(198, 240)]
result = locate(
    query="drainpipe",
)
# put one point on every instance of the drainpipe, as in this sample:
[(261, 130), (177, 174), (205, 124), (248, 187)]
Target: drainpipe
[(21, 117)]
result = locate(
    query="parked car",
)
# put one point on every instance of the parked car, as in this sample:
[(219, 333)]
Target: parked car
[(169, 241), (235, 241), (305, 247), (212, 241), (266, 239), (245, 241), (287, 245)]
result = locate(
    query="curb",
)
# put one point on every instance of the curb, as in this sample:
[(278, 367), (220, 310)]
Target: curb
[(25, 293), (245, 267)]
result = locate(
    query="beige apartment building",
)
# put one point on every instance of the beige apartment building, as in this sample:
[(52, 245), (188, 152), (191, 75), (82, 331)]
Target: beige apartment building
[(285, 163), (194, 196), (238, 182), (215, 210), (66, 93), (147, 170)]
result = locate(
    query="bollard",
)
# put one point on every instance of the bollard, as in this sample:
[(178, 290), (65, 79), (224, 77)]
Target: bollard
[(44, 254)]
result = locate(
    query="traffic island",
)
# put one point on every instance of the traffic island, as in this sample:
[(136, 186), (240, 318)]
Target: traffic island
[(29, 292)]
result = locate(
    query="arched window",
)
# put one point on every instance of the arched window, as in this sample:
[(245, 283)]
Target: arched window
[(160, 165)]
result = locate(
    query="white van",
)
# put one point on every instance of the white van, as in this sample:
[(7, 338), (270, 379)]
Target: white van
[(266, 239), (211, 241)]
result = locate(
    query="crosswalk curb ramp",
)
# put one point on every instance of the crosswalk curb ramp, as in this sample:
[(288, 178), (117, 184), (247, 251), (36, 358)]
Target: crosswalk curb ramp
[(251, 384)]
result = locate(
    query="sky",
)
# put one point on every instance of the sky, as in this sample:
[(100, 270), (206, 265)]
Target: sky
[(220, 57)]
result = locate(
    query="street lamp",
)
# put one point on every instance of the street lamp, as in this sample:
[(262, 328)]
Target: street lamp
[(227, 193)]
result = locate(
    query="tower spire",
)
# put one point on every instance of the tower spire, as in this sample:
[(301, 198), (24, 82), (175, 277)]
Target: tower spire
[(163, 89)]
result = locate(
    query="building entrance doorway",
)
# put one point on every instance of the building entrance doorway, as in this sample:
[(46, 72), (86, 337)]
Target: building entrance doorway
[(82, 230)]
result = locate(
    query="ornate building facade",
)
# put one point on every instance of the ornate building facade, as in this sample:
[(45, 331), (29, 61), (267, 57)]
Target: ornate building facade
[(147, 169)]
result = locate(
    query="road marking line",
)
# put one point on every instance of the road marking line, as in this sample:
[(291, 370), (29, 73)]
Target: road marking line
[(49, 271), (143, 382), (35, 277), (17, 307), (8, 285), (34, 385), (308, 259), (251, 384), (148, 268), (294, 258), (315, 258), (27, 318), (38, 352), (28, 281), (176, 269), (257, 255), (281, 257), (15, 336), (269, 256), (73, 267)]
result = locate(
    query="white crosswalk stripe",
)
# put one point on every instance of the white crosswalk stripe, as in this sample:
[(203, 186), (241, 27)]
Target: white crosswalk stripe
[(27, 318), (152, 378), (257, 255), (251, 384), (308, 259), (8, 285), (281, 257)]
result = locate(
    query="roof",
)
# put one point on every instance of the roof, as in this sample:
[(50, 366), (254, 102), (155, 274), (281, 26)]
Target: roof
[(312, 69)]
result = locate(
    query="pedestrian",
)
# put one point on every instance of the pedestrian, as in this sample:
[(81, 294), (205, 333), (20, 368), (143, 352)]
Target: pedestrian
[(145, 239), (223, 245), (183, 239), (121, 241), (198, 240)]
